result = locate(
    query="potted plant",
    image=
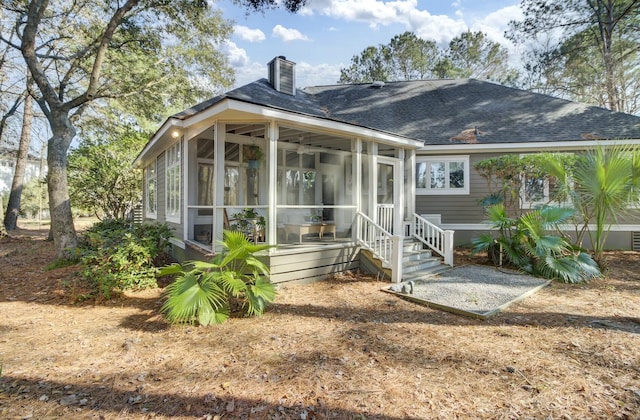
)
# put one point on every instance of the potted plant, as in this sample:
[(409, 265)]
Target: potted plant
[(253, 154), (249, 222)]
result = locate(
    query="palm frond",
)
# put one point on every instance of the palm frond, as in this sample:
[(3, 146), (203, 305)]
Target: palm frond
[(169, 270), (258, 296), (482, 243), (232, 282), (205, 266), (189, 295)]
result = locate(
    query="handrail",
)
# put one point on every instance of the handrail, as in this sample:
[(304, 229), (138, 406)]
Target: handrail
[(437, 239), (381, 243)]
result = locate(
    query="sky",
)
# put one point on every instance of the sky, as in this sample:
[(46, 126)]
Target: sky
[(324, 36)]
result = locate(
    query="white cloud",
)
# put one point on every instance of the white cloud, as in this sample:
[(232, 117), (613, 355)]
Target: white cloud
[(237, 56), (440, 28), (247, 34), (494, 25), (250, 72), (317, 74), (288, 34)]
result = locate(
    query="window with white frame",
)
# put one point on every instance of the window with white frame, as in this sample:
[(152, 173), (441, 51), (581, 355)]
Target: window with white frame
[(151, 191), (173, 183), (534, 191), (445, 175), (538, 188)]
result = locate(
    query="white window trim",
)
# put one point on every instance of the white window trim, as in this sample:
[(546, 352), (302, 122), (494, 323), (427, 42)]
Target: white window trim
[(529, 205), (526, 204), (445, 159), (174, 218), (147, 213)]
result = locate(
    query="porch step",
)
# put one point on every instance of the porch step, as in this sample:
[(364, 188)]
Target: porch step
[(416, 262)]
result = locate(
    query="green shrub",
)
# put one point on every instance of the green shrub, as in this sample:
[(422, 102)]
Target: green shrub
[(117, 255), (527, 243), (204, 292)]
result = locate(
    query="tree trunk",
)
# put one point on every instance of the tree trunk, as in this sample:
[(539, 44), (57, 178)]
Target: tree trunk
[(13, 206), (64, 233), (3, 231)]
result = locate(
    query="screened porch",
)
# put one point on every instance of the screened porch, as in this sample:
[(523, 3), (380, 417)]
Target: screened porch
[(285, 186)]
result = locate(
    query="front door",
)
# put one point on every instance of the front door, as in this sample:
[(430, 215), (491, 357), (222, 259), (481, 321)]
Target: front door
[(389, 187)]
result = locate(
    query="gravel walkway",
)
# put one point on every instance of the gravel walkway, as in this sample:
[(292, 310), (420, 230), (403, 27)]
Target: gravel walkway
[(471, 290)]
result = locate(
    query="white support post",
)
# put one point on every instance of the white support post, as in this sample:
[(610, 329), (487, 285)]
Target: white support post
[(219, 140), (372, 151), (214, 217), (410, 183), (356, 183), (396, 258), (272, 175), (448, 247)]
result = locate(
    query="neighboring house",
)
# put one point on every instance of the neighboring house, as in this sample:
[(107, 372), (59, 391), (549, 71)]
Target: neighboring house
[(350, 167), (8, 168)]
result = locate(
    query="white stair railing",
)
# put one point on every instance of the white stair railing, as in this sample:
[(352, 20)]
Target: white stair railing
[(439, 240), (385, 216), (382, 244)]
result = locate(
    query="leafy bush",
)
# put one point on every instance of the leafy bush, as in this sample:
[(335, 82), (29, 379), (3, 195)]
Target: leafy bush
[(526, 243), (117, 255), (204, 292)]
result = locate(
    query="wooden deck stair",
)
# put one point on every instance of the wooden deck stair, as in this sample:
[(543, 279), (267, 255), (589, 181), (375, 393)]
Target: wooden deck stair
[(417, 262)]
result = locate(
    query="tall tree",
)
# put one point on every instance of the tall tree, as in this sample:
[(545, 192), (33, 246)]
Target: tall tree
[(374, 63), (83, 51), (473, 54), (408, 57), (13, 204), (412, 57), (101, 179), (595, 49)]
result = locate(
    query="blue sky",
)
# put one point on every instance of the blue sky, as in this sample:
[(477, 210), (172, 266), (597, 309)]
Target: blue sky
[(325, 34)]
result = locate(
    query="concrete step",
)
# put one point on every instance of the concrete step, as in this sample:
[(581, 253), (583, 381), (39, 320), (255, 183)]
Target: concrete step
[(420, 265), (409, 256), (417, 262)]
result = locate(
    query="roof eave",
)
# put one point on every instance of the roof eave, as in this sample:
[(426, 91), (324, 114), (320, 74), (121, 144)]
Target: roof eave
[(568, 145)]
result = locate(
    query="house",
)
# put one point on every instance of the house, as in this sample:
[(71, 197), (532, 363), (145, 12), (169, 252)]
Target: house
[(340, 174), (34, 167)]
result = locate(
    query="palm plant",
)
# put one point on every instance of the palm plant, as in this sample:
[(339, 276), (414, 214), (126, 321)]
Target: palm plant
[(203, 293), (526, 244), (605, 180), (603, 184)]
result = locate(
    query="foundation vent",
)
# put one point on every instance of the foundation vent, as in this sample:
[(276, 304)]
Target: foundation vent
[(635, 241)]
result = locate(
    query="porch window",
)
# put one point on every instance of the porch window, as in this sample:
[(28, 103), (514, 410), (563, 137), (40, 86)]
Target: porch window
[(173, 183), (205, 187), (151, 192), (444, 175), (299, 178)]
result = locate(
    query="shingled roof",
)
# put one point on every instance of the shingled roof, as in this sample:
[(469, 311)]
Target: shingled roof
[(444, 111)]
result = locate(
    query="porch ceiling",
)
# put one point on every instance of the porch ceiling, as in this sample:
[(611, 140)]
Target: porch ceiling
[(298, 136)]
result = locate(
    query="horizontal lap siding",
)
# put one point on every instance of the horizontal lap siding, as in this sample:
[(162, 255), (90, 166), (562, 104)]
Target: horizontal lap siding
[(311, 265)]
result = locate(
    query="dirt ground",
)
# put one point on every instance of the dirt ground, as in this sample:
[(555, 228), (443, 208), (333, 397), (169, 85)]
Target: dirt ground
[(334, 349)]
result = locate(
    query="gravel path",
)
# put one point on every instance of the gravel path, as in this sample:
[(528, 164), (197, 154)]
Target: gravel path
[(471, 290)]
